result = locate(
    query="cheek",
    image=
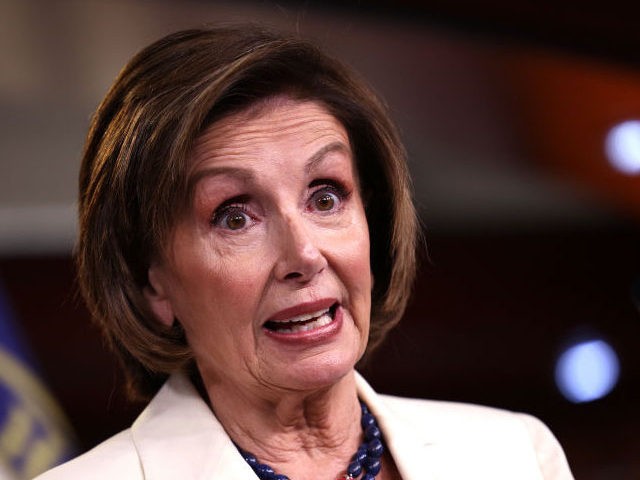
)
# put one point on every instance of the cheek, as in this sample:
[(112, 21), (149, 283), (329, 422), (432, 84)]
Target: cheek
[(357, 264), (356, 267), (219, 309), (361, 251), (232, 286)]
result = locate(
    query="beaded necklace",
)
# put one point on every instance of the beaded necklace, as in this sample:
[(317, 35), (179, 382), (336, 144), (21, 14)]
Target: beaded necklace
[(367, 458)]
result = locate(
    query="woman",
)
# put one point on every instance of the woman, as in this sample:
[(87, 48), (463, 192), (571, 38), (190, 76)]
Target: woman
[(246, 236)]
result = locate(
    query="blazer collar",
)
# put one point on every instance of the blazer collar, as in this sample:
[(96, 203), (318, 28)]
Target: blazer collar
[(178, 416), (413, 452)]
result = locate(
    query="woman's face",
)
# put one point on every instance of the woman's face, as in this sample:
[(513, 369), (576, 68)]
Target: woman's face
[(269, 272)]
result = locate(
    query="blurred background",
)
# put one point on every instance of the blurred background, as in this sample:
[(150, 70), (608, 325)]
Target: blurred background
[(522, 122)]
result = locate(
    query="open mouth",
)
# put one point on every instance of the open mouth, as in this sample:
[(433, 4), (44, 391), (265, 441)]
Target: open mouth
[(305, 322)]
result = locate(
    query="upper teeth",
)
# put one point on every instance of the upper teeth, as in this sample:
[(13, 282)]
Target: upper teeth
[(304, 317)]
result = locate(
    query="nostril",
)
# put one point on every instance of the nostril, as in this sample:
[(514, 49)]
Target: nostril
[(292, 275)]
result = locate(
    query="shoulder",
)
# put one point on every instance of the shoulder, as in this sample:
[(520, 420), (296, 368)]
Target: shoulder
[(490, 432), (449, 418), (114, 458)]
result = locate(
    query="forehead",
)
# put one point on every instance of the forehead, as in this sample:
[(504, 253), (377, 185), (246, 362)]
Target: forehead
[(262, 130)]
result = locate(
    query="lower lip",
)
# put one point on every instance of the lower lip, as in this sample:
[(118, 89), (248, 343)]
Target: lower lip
[(320, 334)]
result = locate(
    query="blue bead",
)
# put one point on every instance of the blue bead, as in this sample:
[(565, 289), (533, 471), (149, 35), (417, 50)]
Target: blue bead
[(360, 455), (281, 477), (367, 419), (371, 432), (372, 465), (363, 408), (354, 469), (262, 470), (375, 448), (368, 476), (250, 459)]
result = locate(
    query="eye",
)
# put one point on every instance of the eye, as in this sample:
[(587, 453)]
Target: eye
[(328, 198), (231, 216), (325, 201), (235, 220)]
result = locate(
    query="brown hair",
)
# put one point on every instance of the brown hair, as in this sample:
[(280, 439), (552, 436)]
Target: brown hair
[(133, 183)]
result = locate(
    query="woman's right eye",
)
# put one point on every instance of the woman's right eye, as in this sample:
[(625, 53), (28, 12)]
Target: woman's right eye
[(235, 221), (231, 217)]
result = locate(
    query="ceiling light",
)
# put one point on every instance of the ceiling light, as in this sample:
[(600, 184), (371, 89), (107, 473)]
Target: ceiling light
[(587, 371), (622, 146)]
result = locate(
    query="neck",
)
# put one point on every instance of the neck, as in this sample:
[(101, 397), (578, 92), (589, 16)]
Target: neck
[(300, 434)]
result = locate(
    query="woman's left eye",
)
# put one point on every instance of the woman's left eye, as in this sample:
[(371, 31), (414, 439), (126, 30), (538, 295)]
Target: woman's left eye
[(326, 199)]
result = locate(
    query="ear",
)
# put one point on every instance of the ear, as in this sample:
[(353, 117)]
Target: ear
[(157, 298)]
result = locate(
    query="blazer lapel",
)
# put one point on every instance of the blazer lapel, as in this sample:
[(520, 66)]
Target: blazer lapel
[(177, 436), (413, 452)]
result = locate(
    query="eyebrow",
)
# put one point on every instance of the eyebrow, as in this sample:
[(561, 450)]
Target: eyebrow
[(246, 175), (237, 172), (317, 157)]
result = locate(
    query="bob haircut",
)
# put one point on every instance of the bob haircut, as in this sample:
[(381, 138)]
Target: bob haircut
[(134, 186)]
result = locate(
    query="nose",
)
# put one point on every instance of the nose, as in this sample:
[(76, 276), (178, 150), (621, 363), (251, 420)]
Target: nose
[(299, 258)]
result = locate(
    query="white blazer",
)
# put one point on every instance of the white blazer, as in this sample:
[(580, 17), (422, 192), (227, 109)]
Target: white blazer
[(178, 437)]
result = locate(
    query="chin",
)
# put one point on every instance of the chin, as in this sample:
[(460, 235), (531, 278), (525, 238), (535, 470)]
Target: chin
[(320, 371)]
